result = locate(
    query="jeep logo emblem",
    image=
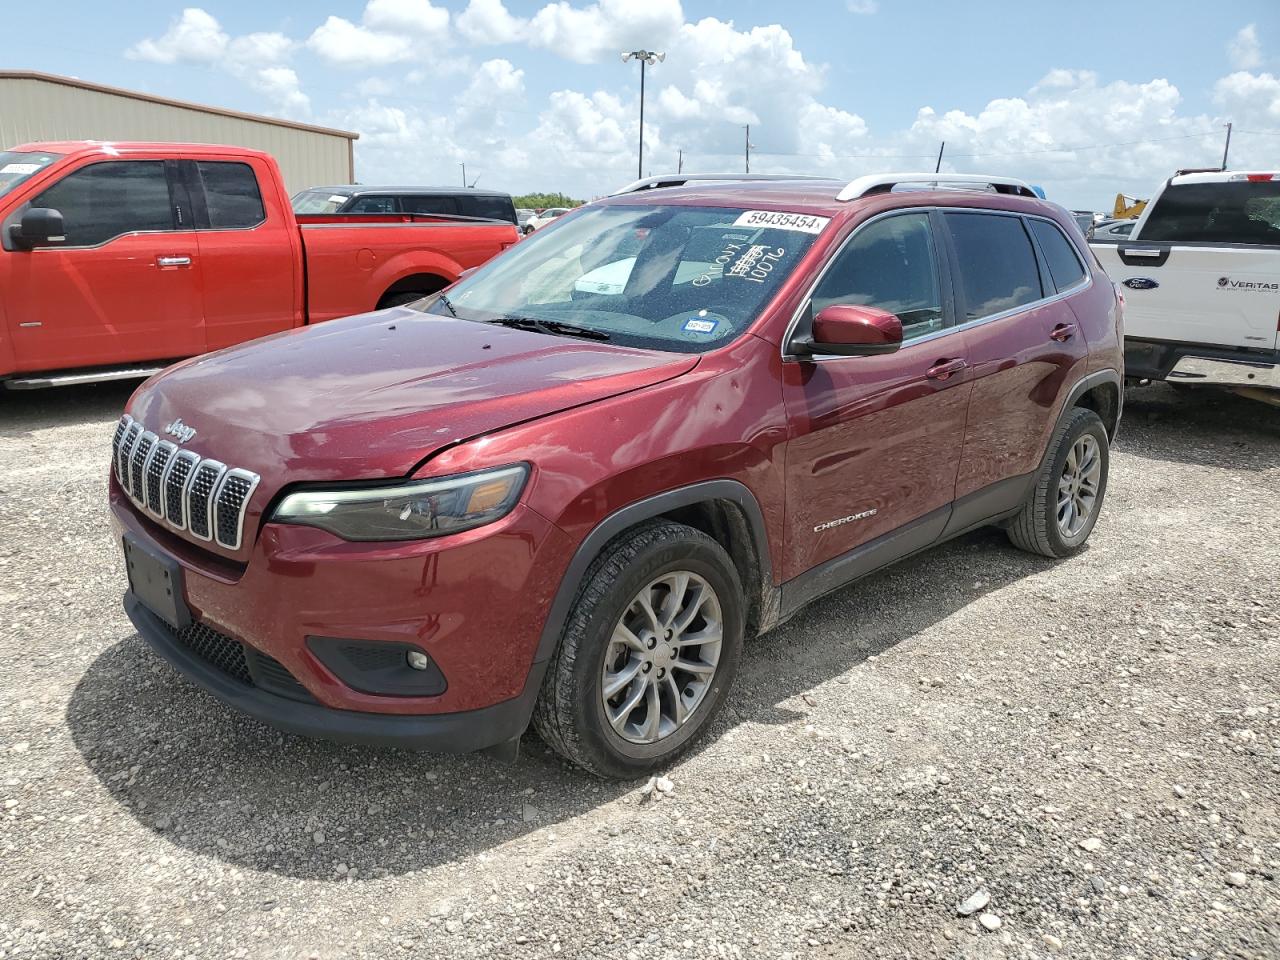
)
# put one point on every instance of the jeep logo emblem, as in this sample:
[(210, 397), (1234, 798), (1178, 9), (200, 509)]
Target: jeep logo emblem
[(180, 430)]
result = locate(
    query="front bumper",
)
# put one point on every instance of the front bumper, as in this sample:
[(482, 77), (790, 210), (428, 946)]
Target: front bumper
[(440, 733), (475, 602)]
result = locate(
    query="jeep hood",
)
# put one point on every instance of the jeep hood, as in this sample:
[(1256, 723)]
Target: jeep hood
[(370, 396)]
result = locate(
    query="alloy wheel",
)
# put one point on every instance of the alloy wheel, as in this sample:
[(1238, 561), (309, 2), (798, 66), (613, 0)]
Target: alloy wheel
[(1078, 485), (662, 657)]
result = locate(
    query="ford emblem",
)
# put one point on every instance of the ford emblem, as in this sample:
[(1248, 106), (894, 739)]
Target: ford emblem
[(1140, 283)]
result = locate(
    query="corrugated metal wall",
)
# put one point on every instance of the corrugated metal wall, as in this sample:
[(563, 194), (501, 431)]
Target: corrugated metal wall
[(35, 109)]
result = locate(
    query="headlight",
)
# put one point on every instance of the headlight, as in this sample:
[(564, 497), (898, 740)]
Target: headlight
[(408, 511)]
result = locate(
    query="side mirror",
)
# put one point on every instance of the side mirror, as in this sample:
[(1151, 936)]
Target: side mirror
[(40, 226), (850, 331)]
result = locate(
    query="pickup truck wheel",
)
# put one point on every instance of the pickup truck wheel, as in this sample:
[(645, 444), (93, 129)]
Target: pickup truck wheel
[(1063, 505), (648, 654), (400, 299)]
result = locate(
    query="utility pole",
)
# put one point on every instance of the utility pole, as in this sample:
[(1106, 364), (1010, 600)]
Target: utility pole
[(746, 149), (938, 166), (1226, 148), (650, 58), (680, 163)]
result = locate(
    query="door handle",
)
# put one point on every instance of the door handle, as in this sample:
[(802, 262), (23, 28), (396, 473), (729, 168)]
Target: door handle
[(1063, 332), (943, 369), (177, 261)]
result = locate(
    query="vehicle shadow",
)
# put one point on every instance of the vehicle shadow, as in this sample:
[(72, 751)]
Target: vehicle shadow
[(227, 787), (24, 411), (1200, 426)]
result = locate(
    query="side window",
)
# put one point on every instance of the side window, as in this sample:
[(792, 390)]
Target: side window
[(106, 200), (998, 269), (372, 205), (891, 264), (428, 204), (494, 208), (1064, 264), (231, 194)]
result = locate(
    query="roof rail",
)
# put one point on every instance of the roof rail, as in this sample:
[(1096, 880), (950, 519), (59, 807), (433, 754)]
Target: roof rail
[(885, 182), (680, 179)]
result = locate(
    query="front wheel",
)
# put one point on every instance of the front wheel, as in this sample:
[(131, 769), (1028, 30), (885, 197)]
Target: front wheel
[(648, 654), (1063, 506)]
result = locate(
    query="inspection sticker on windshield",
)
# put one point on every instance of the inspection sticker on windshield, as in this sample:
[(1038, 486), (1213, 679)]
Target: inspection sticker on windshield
[(337, 198), (800, 222), (694, 325), (20, 168)]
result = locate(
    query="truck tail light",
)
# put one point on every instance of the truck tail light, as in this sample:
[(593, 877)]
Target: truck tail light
[(1254, 177)]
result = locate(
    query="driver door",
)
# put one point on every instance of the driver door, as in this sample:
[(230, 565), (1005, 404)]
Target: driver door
[(875, 441)]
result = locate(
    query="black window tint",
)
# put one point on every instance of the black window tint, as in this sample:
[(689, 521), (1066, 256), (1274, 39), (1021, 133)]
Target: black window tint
[(231, 192), (492, 208), (892, 265), (1064, 265), (372, 205), (428, 204), (1234, 212), (105, 200), (998, 269)]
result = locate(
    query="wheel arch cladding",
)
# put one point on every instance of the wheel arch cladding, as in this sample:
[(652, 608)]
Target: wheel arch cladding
[(725, 510), (1103, 394)]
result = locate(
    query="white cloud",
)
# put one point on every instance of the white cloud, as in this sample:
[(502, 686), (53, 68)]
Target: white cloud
[(601, 31), (193, 37), (862, 7), (282, 86), (390, 31), (255, 49), (489, 22), (495, 83), (1244, 50), (1248, 96), (418, 17)]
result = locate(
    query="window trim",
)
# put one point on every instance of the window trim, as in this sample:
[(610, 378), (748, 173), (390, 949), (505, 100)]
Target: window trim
[(949, 296), (193, 180), (175, 227)]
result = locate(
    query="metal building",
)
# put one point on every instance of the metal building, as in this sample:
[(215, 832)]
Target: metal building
[(41, 106)]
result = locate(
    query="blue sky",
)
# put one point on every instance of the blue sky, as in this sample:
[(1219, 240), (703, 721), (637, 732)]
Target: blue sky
[(532, 95)]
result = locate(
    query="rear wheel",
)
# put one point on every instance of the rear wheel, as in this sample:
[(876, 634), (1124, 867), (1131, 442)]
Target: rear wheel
[(1063, 506), (648, 654)]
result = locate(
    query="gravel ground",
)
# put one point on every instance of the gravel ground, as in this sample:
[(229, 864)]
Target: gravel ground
[(1091, 746)]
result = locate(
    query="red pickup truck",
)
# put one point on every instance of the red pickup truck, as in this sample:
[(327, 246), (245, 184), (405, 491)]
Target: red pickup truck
[(118, 257)]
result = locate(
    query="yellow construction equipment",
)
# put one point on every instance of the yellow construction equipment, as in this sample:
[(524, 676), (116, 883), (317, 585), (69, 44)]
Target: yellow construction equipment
[(1128, 208)]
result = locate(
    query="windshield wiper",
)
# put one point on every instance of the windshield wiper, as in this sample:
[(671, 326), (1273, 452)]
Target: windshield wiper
[(441, 298), (556, 327)]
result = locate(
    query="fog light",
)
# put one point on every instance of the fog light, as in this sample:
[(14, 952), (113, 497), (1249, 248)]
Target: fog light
[(418, 660)]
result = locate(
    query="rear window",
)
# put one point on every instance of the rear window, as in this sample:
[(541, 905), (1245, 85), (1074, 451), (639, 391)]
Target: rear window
[(231, 194), (1233, 212), (998, 269), (492, 208), (1064, 265), (378, 204)]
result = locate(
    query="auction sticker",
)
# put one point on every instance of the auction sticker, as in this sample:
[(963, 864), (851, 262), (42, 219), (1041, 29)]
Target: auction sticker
[(773, 219), (20, 168)]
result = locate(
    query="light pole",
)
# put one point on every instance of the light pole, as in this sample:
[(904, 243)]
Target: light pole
[(650, 58)]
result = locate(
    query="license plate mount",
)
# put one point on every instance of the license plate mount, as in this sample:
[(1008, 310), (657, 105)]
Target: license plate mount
[(156, 580)]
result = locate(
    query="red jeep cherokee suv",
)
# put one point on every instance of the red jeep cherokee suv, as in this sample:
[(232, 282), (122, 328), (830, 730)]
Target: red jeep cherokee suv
[(565, 490)]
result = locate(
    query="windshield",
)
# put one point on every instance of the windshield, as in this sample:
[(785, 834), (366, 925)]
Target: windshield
[(684, 279), (317, 201), (16, 167)]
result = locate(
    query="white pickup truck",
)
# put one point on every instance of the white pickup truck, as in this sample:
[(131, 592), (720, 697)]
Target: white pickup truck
[(1201, 278)]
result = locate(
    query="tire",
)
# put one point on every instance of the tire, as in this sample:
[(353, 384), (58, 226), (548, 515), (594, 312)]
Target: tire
[(570, 714), (400, 299), (1039, 527)]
